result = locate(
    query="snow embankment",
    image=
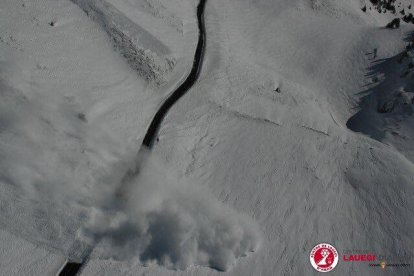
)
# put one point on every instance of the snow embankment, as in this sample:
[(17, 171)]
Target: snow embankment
[(145, 53)]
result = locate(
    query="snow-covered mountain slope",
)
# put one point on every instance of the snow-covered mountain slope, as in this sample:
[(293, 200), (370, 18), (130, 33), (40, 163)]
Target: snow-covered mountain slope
[(387, 105), (19, 257), (288, 159), (72, 114), (300, 121), (63, 91), (151, 39)]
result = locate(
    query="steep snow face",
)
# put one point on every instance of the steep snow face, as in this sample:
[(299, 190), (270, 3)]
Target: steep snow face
[(386, 11), (337, 8), (388, 103), (266, 130)]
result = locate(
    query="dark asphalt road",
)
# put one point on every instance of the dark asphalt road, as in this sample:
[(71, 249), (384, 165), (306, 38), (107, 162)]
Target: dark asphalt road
[(72, 268), (185, 86)]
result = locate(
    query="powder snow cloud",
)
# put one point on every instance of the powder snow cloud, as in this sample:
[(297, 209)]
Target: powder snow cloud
[(161, 218)]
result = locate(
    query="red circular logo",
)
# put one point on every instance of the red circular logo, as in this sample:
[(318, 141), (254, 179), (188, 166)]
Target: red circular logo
[(324, 257)]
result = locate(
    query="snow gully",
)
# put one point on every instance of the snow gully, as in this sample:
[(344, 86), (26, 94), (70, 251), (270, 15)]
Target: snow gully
[(73, 268)]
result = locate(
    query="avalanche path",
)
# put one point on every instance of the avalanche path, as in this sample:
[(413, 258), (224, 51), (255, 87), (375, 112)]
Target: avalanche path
[(73, 268)]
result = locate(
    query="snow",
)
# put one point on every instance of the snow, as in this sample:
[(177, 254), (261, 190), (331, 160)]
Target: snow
[(146, 54), (168, 220), (66, 101), (314, 162)]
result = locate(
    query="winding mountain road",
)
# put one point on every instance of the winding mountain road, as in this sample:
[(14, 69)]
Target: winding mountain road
[(185, 86), (73, 268)]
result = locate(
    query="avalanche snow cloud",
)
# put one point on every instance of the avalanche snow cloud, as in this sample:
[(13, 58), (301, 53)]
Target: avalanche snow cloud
[(69, 117), (162, 218), (155, 216)]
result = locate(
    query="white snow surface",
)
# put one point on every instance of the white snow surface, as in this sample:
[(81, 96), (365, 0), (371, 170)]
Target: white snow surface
[(19, 257), (239, 167), (64, 92), (67, 141)]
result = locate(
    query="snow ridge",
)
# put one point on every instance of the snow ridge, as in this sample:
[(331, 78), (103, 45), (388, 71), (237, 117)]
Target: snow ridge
[(144, 53)]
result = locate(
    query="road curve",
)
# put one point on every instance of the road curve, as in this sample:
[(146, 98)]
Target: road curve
[(73, 268), (185, 86)]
